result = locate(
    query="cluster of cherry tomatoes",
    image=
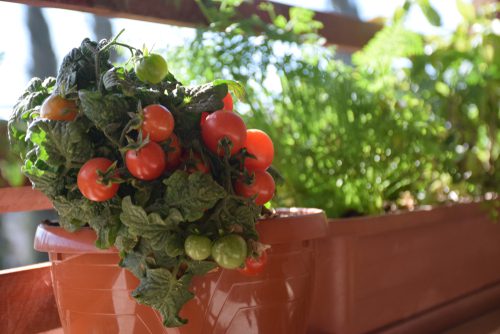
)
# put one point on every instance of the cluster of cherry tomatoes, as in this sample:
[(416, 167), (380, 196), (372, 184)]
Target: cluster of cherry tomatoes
[(98, 180)]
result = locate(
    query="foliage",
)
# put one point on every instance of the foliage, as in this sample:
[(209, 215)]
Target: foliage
[(147, 221), (372, 136)]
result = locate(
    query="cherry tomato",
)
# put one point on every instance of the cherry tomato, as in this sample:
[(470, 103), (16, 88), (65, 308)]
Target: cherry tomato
[(228, 102), (194, 163), (57, 108), (147, 163), (263, 186), (223, 124), (261, 146), (254, 266), (198, 247), (158, 123), (90, 183), (174, 155), (203, 117), (230, 251), (151, 68)]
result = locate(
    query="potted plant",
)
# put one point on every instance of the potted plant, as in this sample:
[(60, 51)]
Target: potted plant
[(167, 181)]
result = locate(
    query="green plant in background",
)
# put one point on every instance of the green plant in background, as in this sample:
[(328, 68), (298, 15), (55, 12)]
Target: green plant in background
[(10, 172), (360, 139), (459, 77)]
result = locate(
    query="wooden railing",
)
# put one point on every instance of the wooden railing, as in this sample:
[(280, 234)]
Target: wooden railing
[(346, 32)]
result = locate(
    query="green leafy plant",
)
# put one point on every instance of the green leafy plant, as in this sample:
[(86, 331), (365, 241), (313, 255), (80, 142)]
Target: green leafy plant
[(83, 140), (357, 138)]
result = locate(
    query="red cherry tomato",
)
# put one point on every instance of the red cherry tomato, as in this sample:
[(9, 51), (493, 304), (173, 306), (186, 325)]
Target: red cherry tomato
[(254, 266), (263, 186), (147, 163), (90, 183), (194, 163), (158, 123), (174, 155), (223, 124), (261, 146), (228, 102), (203, 117), (57, 108)]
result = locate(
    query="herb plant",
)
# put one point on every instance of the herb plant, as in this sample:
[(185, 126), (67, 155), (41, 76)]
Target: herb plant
[(142, 160), (410, 120)]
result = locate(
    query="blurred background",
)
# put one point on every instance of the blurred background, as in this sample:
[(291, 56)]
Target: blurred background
[(34, 41)]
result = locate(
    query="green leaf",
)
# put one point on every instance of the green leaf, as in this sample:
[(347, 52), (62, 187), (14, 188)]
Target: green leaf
[(238, 216), (400, 41), (234, 87), (73, 214), (200, 267), (161, 290), (192, 194), (206, 97), (25, 108), (115, 78), (107, 112), (163, 234), (60, 143), (78, 68), (106, 223), (430, 13)]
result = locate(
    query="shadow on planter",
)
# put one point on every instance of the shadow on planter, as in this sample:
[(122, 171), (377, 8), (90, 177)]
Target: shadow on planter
[(93, 293)]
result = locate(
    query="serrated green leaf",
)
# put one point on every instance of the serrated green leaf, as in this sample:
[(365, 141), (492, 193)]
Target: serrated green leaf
[(78, 68), (238, 216), (161, 233), (107, 112), (200, 267), (24, 109), (192, 194), (161, 290), (65, 143)]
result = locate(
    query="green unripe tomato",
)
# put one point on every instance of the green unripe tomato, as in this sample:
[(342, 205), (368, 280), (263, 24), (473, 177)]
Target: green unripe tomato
[(198, 247), (151, 68), (230, 251)]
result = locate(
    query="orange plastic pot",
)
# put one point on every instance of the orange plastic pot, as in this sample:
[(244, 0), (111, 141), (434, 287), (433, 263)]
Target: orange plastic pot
[(93, 292)]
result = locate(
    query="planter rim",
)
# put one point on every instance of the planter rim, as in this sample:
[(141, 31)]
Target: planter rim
[(296, 224)]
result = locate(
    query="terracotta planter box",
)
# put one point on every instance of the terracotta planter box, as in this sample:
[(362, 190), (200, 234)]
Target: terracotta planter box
[(418, 272), (93, 293)]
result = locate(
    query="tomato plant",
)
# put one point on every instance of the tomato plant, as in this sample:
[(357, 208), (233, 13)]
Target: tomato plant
[(261, 147), (230, 251), (228, 102), (254, 266), (57, 108), (91, 182), (198, 247), (151, 68), (146, 163), (262, 186), (223, 124), (149, 183), (158, 123)]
